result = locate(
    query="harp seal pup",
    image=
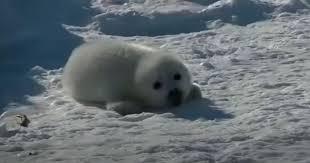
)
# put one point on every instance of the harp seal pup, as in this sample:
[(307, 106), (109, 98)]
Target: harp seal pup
[(127, 78)]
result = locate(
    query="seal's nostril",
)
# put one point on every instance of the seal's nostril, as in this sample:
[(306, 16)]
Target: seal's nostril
[(173, 92), (175, 97)]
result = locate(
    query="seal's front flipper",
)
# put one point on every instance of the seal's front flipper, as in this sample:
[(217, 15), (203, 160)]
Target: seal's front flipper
[(195, 93)]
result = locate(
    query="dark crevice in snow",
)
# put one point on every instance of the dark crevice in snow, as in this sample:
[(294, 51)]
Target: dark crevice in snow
[(115, 2), (203, 2), (131, 23)]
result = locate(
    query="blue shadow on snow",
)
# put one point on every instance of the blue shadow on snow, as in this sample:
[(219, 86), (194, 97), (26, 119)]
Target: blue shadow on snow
[(32, 34), (200, 109)]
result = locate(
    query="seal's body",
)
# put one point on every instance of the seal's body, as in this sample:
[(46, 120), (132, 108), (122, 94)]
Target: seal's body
[(127, 76)]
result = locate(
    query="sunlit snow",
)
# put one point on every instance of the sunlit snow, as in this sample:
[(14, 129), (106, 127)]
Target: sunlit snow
[(250, 57)]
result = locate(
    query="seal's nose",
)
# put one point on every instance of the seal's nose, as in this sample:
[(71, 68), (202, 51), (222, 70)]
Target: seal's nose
[(175, 97)]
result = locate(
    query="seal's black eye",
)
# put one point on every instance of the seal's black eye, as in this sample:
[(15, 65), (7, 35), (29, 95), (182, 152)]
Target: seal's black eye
[(177, 76), (157, 85)]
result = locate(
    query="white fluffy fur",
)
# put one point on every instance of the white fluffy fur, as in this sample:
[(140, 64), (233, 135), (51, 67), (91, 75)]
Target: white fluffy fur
[(122, 75)]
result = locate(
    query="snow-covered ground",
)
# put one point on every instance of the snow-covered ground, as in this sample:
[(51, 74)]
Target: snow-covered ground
[(251, 58)]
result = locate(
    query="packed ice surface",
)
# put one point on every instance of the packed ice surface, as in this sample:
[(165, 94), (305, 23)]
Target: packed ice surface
[(251, 59)]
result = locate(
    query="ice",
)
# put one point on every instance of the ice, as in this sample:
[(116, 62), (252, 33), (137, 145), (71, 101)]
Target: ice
[(250, 58)]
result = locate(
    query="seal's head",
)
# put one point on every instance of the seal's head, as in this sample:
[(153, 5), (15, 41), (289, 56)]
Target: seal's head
[(162, 81)]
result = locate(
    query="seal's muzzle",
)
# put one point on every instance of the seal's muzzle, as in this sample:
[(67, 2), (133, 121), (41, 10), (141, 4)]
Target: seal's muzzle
[(175, 97)]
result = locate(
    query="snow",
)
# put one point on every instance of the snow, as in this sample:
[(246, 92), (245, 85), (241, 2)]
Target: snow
[(250, 58)]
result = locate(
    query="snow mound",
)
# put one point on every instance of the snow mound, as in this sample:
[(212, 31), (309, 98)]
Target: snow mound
[(154, 18), (294, 5), (139, 19)]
